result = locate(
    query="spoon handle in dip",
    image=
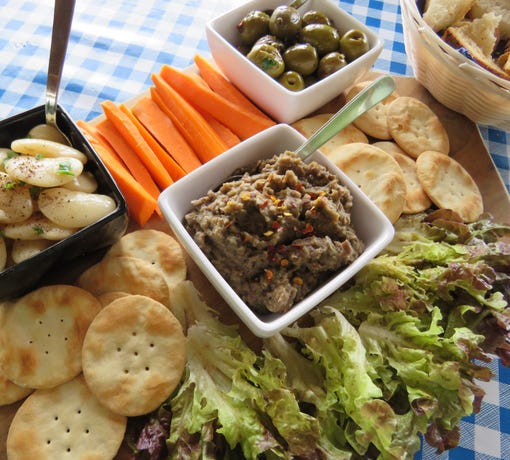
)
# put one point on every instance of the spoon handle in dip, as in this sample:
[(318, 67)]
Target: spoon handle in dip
[(374, 93), (62, 19)]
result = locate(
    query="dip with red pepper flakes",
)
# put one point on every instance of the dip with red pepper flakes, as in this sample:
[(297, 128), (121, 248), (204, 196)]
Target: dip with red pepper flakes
[(278, 232)]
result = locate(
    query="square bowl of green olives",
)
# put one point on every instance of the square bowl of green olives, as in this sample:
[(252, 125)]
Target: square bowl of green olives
[(59, 205), (291, 58)]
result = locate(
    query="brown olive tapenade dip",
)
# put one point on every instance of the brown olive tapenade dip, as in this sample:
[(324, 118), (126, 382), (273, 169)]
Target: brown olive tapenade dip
[(278, 232)]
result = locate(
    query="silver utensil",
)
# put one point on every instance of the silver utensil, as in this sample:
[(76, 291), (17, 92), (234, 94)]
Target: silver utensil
[(62, 20), (374, 93)]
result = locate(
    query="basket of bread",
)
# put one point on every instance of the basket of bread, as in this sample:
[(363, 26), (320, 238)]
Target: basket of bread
[(460, 51)]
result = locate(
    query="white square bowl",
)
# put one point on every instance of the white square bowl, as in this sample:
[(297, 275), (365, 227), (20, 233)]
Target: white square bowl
[(281, 104), (370, 223)]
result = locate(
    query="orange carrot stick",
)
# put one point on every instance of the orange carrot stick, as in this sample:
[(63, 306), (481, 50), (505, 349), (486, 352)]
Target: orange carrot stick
[(131, 134), (224, 87), (166, 133), (202, 138), (141, 205), (173, 168), (243, 123), (229, 138), (129, 156)]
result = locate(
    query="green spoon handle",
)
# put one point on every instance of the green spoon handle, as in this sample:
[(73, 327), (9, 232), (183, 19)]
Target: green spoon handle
[(374, 93)]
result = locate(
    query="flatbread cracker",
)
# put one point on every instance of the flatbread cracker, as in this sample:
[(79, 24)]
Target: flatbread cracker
[(374, 122), (416, 198), (134, 355), (43, 335), (310, 125), (377, 174), (415, 127), (64, 422), (125, 274), (9, 391), (449, 185), (158, 248)]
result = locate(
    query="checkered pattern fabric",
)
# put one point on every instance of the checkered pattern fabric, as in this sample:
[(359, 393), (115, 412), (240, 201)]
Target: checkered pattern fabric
[(114, 47)]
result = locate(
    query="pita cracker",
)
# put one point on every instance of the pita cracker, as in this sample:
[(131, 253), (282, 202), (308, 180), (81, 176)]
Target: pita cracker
[(374, 122), (156, 247), (66, 421), (377, 174), (134, 355), (415, 127), (449, 185)]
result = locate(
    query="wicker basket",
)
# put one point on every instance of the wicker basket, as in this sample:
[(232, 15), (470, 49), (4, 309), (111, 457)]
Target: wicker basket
[(450, 77)]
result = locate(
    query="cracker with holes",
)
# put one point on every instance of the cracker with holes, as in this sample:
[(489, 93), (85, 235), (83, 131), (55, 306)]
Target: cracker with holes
[(377, 174), (134, 355), (374, 122), (416, 198), (156, 247), (449, 185), (66, 421), (308, 126), (43, 335), (415, 127), (125, 274)]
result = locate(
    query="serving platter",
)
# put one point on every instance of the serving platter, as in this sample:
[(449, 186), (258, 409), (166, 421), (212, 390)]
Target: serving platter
[(467, 147)]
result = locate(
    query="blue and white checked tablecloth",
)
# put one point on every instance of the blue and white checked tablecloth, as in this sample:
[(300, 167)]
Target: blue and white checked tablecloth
[(116, 44)]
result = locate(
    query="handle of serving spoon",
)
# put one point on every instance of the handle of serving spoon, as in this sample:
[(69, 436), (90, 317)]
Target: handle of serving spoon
[(62, 19), (374, 93)]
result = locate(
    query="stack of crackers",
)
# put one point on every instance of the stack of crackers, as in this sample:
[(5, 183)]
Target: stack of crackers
[(87, 356), (398, 154)]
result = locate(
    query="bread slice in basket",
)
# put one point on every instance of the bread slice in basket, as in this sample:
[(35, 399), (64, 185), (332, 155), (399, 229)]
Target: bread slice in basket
[(477, 39)]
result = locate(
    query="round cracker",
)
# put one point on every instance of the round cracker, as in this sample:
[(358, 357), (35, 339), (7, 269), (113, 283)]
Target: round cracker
[(125, 274), (309, 126), (134, 355), (416, 198), (449, 185), (377, 174), (9, 391), (64, 422), (415, 127), (156, 247), (43, 335), (374, 122)]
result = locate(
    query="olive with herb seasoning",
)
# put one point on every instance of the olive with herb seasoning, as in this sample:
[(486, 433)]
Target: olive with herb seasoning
[(271, 40), (268, 58)]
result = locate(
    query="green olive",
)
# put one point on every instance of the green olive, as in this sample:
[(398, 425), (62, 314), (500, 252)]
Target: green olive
[(268, 58), (330, 63), (271, 40), (354, 44), (324, 38), (302, 58), (292, 80), (315, 17), (285, 23), (253, 26)]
